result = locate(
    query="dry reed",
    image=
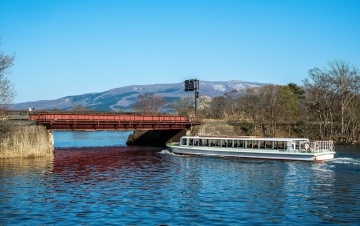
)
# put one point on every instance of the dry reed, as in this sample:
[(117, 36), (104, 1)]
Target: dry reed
[(27, 142)]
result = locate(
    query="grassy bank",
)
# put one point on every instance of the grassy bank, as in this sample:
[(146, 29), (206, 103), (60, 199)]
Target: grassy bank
[(27, 142)]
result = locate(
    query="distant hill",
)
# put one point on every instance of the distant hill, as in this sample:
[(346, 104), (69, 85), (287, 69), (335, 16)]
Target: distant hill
[(123, 98)]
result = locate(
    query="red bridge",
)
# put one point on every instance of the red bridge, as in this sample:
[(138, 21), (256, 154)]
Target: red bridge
[(111, 121)]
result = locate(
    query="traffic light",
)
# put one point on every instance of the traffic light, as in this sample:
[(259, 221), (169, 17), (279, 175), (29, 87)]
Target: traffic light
[(196, 84), (191, 85), (186, 85)]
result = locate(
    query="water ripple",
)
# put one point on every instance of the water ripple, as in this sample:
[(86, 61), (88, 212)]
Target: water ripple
[(138, 186)]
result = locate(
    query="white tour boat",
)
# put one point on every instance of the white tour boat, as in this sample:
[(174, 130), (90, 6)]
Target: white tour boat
[(255, 147)]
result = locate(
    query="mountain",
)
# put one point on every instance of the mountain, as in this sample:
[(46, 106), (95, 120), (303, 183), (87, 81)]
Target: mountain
[(123, 98)]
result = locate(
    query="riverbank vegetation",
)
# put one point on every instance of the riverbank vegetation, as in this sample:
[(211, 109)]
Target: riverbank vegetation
[(18, 141), (27, 142)]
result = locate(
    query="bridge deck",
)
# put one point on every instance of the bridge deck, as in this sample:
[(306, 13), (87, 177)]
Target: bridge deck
[(111, 121)]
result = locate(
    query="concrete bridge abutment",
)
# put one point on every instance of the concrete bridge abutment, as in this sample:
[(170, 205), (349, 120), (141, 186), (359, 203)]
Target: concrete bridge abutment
[(155, 138)]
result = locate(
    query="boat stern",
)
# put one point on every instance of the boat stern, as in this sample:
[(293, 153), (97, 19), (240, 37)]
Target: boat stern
[(320, 157)]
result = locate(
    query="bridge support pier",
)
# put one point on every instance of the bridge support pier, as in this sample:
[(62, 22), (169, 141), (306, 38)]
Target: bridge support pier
[(155, 138)]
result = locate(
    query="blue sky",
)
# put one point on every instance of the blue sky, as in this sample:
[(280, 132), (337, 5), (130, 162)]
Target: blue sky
[(72, 47)]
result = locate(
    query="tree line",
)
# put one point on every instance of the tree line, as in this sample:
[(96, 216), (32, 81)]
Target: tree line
[(325, 106)]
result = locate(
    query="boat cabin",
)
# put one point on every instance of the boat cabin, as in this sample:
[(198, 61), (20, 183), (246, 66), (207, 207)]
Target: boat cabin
[(290, 144)]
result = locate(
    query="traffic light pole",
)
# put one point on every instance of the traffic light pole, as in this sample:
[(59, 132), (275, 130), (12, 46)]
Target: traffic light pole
[(196, 95)]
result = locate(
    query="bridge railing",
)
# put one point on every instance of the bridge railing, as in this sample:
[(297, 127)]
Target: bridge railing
[(101, 116), (15, 112), (45, 117), (98, 117)]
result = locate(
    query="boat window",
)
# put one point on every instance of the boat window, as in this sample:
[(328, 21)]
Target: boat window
[(191, 141), (269, 145), (214, 143), (230, 143), (280, 145), (236, 143), (254, 144), (226, 143), (242, 143), (196, 142), (184, 141), (249, 144), (262, 144), (206, 142), (201, 142), (297, 145), (211, 143)]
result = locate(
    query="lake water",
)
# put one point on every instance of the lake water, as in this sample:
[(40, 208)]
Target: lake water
[(123, 185)]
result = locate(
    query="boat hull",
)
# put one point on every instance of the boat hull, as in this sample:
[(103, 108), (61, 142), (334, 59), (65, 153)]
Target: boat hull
[(252, 153)]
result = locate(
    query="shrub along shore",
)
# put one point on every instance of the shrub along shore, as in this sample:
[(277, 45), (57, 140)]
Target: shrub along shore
[(27, 142)]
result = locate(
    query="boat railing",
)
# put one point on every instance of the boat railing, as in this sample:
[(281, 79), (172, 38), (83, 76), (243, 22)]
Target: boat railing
[(321, 146)]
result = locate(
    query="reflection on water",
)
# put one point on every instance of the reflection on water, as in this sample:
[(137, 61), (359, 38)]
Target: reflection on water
[(82, 163), (347, 149), (18, 165), (136, 185), (70, 139)]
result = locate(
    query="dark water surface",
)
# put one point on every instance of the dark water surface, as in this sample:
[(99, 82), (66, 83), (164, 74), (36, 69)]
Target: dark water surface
[(150, 186)]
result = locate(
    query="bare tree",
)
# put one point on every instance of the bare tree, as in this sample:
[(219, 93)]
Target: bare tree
[(149, 104), (345, 83), (204, 104), (226, 106), (184, 106), (7, 92), (320, 102), (352, 120), (250, 105), (231, 105), (217, 107), (334, 87)]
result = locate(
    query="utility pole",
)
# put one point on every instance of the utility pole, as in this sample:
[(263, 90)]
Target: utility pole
[(192, 85)]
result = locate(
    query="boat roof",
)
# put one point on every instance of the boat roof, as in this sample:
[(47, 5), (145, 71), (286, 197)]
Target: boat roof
[(246, 138)]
